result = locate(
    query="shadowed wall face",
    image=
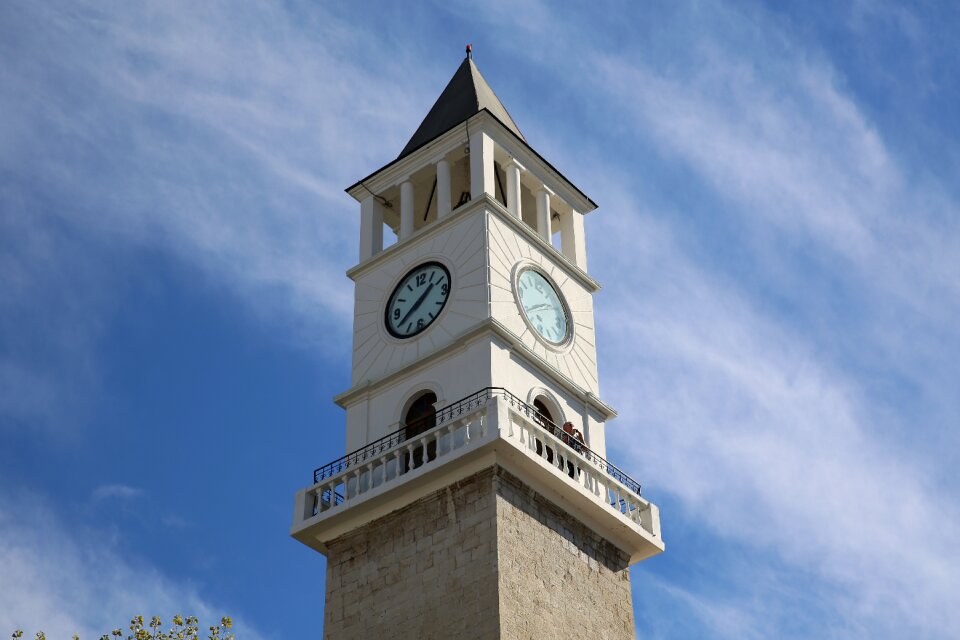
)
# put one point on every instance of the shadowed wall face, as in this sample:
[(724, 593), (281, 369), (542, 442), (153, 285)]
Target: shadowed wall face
[(484, 558)]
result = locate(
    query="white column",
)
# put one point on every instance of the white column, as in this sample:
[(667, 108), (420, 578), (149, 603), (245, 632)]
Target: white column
[(443, 189), (513, 187), (573, 244), (371, 228), (481, 166), (543, 213), (497, 417), (406, 210)]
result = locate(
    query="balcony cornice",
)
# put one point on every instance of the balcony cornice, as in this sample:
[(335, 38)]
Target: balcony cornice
[(494, 430)]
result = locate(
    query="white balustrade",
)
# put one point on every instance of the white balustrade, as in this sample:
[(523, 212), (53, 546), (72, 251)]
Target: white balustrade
[(434, 446), (392, 463), (589, 473)]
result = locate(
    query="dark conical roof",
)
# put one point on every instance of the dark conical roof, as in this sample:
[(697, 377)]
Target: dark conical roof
[(466, 94)]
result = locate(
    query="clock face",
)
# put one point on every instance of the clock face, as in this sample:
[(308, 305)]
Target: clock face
[(417, 300), (543, 307)]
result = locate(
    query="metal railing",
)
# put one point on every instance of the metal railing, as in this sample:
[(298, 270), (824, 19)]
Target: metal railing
[(463, 407), (330, 497)]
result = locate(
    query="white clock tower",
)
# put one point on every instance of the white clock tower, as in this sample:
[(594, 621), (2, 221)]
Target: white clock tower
[(475, 500)]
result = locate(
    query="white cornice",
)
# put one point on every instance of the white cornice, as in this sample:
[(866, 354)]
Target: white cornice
[(419, 236), (559, 259), (485, 203), (487, 326), (393, 173), (534, 163)]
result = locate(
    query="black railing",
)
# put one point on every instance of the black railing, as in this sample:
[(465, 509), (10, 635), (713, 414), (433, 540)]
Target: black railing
[(389, 441), (331, 497), (463, 407)]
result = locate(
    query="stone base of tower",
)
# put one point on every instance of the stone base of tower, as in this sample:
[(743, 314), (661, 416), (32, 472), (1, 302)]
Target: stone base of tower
[(486, 557)]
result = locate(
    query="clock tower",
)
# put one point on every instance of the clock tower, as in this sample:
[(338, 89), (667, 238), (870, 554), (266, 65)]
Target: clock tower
[(475, 499)]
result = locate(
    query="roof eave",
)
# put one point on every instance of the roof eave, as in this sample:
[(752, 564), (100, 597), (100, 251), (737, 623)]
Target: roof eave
[(358, 191)]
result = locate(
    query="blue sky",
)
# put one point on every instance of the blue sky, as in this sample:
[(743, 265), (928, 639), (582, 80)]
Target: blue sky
[(778, 240)]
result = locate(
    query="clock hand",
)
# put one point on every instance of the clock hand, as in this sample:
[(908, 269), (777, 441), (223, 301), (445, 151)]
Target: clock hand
[(539, 306), (416, 305)]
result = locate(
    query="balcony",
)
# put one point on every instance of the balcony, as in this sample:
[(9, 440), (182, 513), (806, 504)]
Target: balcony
[(491, 426)]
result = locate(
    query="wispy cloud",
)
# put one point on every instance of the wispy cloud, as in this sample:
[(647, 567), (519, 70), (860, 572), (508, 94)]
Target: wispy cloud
[(122, 491), (767, 434), (216, 137), (69, 579), (186, 130), (55, 298), (801, 161), (768, 447)]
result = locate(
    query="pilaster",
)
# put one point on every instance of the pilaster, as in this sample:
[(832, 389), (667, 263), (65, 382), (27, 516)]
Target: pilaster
[(371, 228), (572, 240), (482, 178), (543, 212), (443, 189), (406, 209), (513, 169)]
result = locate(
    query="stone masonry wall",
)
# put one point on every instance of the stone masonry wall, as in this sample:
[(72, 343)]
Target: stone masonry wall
[(428, 570), (557, 578), (485, 558)]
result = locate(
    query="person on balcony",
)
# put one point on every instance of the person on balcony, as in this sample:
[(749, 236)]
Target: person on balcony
[(572, 437)]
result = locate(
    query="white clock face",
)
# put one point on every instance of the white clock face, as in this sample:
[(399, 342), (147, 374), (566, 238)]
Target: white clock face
[(417, 300), (543, 307)]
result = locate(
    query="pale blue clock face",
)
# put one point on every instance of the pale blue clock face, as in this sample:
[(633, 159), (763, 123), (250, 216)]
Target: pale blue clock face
[(543, 307), (417, 300)]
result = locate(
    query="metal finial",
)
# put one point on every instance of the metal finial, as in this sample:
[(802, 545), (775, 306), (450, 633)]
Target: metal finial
[(470, 51)]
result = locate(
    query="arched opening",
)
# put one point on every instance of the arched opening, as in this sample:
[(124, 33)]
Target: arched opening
[(543, 417), (567, 434), (420, 417), (543, 410)]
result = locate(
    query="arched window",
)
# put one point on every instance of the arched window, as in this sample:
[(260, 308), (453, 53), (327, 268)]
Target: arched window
[(543, 417), (420, 417), (544, 412), (551, 420)]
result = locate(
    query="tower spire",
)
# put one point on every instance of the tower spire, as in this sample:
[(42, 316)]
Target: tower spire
[(465, 95)]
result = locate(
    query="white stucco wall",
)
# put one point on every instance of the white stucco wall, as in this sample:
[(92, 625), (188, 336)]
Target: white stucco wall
[(510, 250), (483, 253), (459, 247)]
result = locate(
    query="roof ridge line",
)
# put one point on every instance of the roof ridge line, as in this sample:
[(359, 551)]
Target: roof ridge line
[(466, 94)]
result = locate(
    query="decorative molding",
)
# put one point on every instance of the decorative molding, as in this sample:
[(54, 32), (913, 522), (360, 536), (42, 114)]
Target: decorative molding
[(486, 327), (534, 164), (512, 162), (491, 205)]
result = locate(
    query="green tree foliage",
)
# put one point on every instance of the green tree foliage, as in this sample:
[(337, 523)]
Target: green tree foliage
[(180, 629)]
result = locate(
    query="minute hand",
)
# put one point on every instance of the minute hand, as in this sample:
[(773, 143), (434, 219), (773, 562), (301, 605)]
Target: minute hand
[(416, 305)]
